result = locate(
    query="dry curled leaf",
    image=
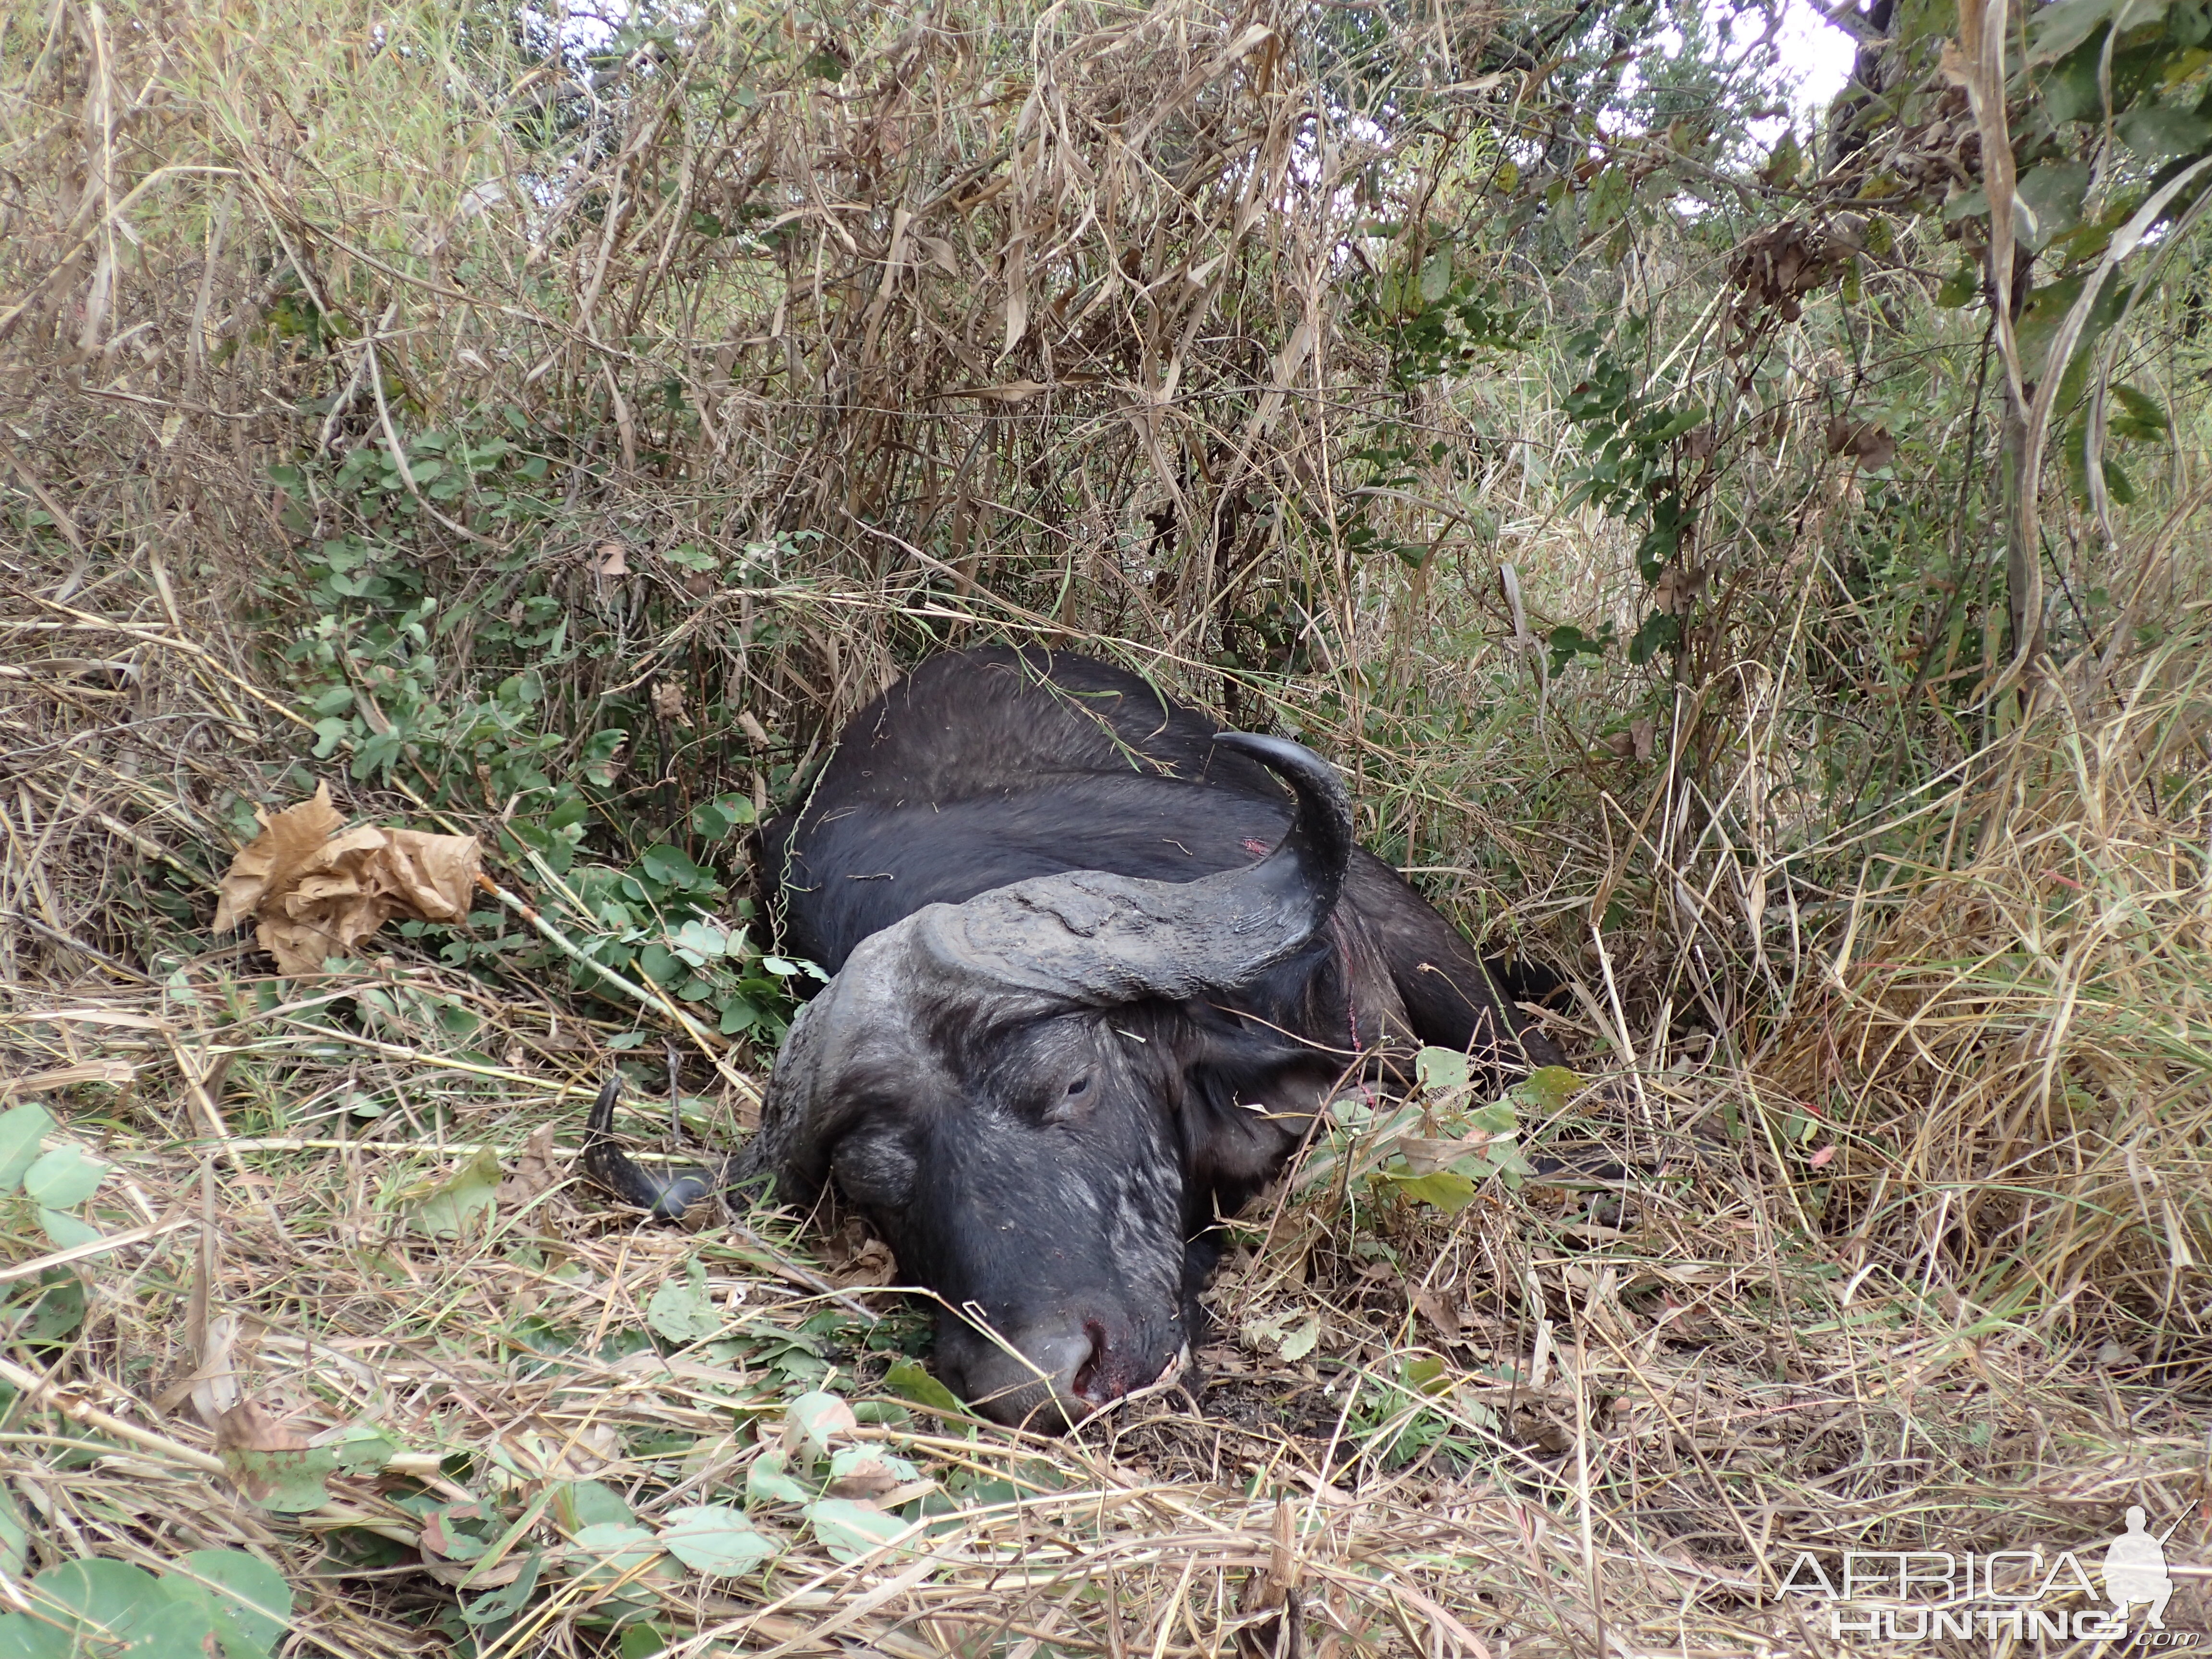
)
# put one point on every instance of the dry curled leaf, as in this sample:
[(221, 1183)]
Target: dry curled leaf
[(1012, 391), (317, 889), (611, 559), (1425, 1156), (1775, 266), (1439, 1308), (668, 703), (214, 1390), (1678, 589), (1869, 440), (872, 1265), (868, 1476), (534, 1172), (285, 843), (247, 1427)]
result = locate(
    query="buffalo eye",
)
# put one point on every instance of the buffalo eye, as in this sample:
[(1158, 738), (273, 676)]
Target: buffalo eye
[(1072, 1099)]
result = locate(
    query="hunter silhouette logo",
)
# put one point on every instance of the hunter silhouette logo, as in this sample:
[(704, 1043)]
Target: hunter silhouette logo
[(2135, 1570), (2023, 1593)]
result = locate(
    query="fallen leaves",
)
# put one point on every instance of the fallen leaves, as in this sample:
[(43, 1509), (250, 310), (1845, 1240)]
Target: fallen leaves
[(317, 888), (668, 703), (1777, 266), (1868, 441), (444, 1208), (538, 1171)]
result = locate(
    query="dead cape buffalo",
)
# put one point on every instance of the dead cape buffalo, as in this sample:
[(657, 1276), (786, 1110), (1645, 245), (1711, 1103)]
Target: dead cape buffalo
[(1097, 965)]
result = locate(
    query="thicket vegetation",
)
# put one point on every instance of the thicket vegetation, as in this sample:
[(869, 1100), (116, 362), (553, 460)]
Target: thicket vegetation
[(1751, 560)]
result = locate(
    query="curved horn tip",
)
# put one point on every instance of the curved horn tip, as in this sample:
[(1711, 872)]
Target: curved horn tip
[(664, 1197), (602, 1119), (1277, 754), (1307, 774)]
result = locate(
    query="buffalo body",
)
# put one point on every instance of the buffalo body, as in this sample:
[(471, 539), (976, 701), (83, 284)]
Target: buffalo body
[(1097, 967)]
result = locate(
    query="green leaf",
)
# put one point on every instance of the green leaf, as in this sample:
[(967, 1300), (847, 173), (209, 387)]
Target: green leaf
[(812, 1420), (849, 1530), (1968, 205), (287, 1480), (138, 1615), (58, 1312), (445, 1209), (505, 1603), (2146, 415), (580, 1504), (2052, 193), (1427, 1374), (1436, 276), (23, 1131), (1504, 1156), (692, 556), (1549, 1088), (67, 1231), (1784, 160), (685, 1312), (363, 1449), (63, 1177), (2057, 30), (670, 868), (608, 1550), (716, 1539), (767, 1483), (1497, 1118), (2157, 131), (444, 1533), (22, 1637), (249, 1603), (1446, 1190), (1441, 1068), (868, 1463), (700, 942), (909, 1381), (1567, 642), (641, 1642), (15, 1539), (1662, 631)]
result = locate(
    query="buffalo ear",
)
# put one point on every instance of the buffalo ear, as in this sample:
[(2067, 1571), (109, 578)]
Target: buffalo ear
[(1250, 1097), (875, 1172)]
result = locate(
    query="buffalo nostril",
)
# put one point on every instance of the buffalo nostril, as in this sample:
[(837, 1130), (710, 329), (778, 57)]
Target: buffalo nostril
[(1087, 1379)]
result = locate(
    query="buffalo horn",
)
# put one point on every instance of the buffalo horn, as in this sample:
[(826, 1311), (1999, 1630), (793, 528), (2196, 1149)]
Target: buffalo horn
[(1092, 937), (666, 1194)]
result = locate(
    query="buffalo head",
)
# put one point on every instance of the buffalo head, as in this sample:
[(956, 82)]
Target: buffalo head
[(1040, 1099)]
